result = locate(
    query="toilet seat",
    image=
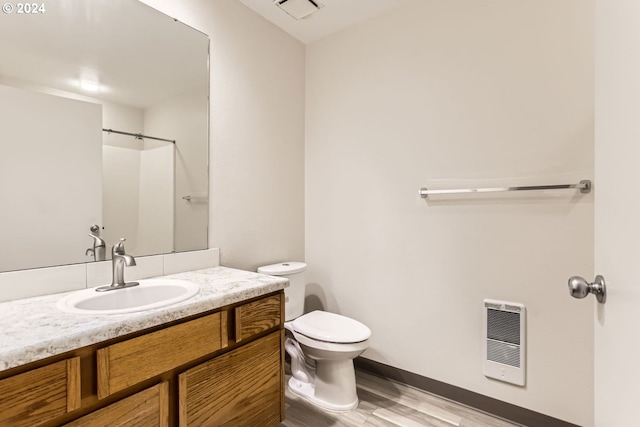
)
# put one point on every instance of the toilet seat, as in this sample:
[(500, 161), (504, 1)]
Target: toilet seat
[(336, 350), (330, 328)]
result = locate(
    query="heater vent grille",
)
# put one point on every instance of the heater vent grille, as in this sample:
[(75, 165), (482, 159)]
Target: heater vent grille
[(503, 326), (504, 341), (503, 353)]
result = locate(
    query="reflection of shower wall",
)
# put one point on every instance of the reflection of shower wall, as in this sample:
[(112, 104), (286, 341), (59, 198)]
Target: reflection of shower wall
[(185, 119), (121, 175), (155, 225), (120, 188), (138, 198), (145, 181), (137, 185)]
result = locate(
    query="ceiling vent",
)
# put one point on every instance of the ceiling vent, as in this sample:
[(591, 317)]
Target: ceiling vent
[(298, 9)]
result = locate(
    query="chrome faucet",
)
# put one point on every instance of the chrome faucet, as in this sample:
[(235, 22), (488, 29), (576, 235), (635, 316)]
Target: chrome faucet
[(119, 260), (98, 250)]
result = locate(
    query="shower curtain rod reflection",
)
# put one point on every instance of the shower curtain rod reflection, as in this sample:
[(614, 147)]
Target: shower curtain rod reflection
[(139, 135)]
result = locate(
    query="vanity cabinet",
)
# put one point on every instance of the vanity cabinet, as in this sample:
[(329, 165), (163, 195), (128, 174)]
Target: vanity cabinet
[(224, 367)]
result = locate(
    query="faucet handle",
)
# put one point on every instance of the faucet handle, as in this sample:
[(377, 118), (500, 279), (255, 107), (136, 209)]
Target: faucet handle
[(118, 247), (97, 241)]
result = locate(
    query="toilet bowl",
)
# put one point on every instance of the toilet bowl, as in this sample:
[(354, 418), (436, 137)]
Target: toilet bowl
[(322, 346)]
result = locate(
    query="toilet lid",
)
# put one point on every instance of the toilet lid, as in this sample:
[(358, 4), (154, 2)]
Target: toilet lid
[(283, 269), (331, 327)]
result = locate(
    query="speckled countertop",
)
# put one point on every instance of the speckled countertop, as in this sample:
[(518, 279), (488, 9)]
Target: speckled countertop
[(33, 328)]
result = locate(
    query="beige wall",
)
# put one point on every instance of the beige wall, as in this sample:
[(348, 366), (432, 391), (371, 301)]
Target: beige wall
[(441, 93), (257, 133), (446, 93)]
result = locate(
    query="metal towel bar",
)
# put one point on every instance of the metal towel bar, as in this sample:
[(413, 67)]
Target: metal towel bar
[(584, 186), (190, 198)]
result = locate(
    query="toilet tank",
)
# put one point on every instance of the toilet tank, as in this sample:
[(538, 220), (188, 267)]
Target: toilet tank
[(294, 294)]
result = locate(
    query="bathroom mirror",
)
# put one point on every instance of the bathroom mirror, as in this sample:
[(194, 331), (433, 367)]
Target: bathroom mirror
[(103, 120)]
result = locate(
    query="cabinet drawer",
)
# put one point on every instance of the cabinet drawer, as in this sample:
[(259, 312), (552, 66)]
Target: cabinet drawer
[(241, 388), (258, 316), (148, 408), (129, 362), (40, 395)]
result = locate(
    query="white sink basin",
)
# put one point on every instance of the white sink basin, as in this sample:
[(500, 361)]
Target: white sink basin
[(152, 293)]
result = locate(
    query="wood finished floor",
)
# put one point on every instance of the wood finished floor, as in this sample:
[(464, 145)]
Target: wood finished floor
[(384, 403)]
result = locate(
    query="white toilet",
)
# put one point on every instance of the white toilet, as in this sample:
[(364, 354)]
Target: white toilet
[(331, 340)]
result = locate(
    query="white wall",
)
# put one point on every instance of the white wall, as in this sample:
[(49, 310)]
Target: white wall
[(446, 93), (256, 154), (36, 221), (617, 347), (122, 118)]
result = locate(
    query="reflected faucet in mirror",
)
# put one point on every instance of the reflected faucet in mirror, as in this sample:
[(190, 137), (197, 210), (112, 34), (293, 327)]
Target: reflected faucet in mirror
[(119, 260), (98, 251)]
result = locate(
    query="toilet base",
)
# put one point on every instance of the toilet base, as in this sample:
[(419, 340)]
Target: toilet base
[(331, 386), (307, 392)]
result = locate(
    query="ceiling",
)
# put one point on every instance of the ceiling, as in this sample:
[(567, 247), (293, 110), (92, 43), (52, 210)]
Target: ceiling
[(334, 16), (137, 55), (102, 38)]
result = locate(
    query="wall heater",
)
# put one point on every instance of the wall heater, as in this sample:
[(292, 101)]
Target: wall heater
[(504, 341)]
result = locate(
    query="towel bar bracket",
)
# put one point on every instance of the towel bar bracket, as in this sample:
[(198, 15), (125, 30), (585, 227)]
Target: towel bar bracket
[(586, 186)]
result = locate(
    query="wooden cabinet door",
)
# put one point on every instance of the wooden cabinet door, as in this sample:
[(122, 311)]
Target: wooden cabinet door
[(241, 388), (148, 408), (41, 395)]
